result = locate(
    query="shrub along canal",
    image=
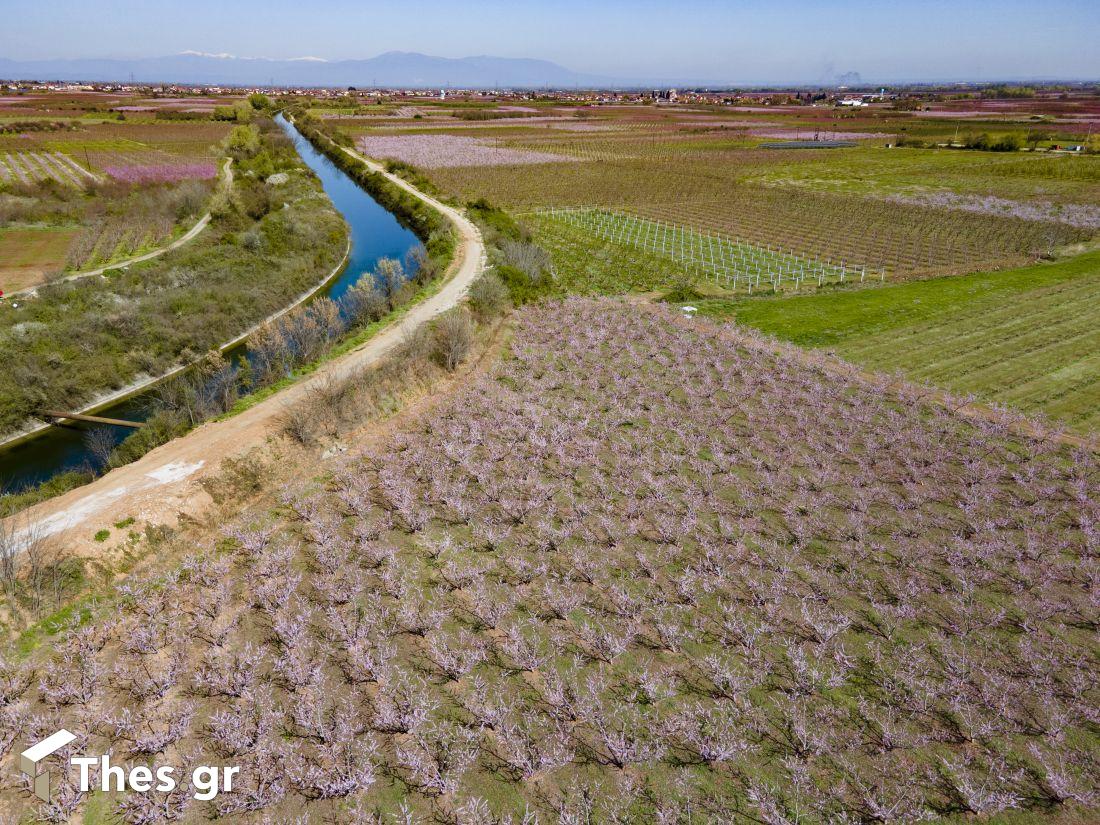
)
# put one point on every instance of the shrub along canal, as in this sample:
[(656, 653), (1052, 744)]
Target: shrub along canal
[(375, 234)]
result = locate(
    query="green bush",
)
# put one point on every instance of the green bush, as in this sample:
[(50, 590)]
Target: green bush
[(243, 142), (985, 143), (159, 429), (498, 222), (1008, 143), (522, 287), (489, 296), (682, 292), (253, 198)]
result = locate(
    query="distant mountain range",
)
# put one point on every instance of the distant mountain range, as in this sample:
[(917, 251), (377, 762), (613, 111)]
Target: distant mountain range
[(392, 69)]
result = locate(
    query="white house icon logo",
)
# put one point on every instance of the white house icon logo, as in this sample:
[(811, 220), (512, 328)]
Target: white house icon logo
[(30, 761)]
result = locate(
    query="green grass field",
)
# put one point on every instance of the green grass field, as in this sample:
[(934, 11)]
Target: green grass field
[(602, 252), (871, 170), (1028, 338)]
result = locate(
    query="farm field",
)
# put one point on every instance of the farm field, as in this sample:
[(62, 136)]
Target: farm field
[(117, 189), (573, 552), (93, 145), (908, 240), (719, 261), (90, 106), (587, 264), (1026, 338), (913, 212), (644, 568), (26, 255), (31, 167), (645, 199)]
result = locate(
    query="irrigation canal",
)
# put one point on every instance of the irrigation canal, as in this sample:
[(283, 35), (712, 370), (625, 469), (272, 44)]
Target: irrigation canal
[(375, 234)]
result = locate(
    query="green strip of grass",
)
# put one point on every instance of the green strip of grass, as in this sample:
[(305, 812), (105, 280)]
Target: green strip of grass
[(1028, 338), (829, 319), (48, 628)]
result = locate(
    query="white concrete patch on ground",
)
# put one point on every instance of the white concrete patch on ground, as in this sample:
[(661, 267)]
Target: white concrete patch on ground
[(69, 517), (176, 471)]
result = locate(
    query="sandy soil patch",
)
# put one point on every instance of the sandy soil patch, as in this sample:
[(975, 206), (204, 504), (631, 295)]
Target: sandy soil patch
[(26, 255)]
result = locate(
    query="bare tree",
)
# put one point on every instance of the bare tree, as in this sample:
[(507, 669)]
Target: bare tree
[(389, 275), (10, 540), (532, 260), (100, 442), (454, 333), (43, 570)]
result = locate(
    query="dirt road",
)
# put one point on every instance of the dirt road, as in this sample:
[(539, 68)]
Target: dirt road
[(164, 483)]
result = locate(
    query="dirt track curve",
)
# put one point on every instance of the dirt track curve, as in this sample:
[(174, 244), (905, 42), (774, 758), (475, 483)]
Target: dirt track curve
[(163, 483)]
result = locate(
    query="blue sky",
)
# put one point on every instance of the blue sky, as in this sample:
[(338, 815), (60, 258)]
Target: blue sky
[(733, 41)]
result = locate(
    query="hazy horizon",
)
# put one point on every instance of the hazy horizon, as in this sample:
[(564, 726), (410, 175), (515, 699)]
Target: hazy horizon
[(746, 42)]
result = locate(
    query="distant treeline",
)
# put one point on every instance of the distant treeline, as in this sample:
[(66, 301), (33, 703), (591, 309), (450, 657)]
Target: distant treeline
[(176, 114), (19, 126)]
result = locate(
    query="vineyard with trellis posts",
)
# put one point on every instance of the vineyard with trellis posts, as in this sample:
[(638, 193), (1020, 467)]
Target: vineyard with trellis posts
[(904, 239), (726, 262)]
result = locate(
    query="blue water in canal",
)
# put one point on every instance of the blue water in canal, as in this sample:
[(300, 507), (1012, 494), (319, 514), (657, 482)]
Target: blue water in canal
[(375, 234)]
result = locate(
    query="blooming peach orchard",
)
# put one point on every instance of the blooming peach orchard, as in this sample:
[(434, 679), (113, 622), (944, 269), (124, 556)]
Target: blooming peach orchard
[(441, 151), (162, 172), (647, 570)]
